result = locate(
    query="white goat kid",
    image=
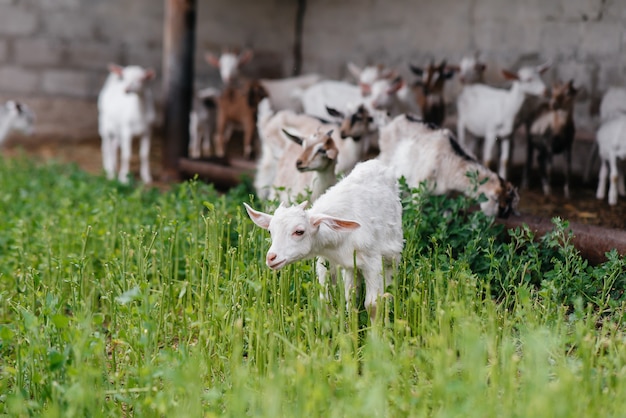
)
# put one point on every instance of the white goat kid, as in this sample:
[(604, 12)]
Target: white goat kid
[(126, 109), (611, 138), (490, 113), (356, 222), (15, 117), (229, 64)]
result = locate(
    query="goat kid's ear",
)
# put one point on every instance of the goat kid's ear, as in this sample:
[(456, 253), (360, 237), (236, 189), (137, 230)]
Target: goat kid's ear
[(336, 224), (419, 71), (245, 56), (543, 67), (334, 112), (212, 60), (293, 137), (396, 85), (150, 74), (354, 69), (261, 219), (509, 75), (116, 69)]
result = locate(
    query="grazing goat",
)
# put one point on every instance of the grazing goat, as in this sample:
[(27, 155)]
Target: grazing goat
[(126, 109), (15, 116), (552, 132), (274, 142), (611, 139), (356, 223), (307, 164), (490, 113), (428, 90), (424, 153)]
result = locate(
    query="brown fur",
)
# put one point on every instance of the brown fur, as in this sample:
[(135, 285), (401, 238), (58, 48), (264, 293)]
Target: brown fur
[(429, 91)]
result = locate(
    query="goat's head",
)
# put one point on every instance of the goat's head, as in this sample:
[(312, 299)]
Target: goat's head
[(502, 197), (432, 78), (21, 116), (471, 69), (383, 92), (134, 77), (319, 151), (229, 63), (529, 79), (354, 125), (366, 76), (294, 232), (563, 95)]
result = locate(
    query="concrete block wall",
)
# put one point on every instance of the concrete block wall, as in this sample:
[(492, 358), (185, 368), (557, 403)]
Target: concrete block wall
[(53, 53)]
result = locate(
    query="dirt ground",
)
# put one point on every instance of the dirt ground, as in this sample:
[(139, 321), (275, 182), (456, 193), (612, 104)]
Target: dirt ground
[(583, 207)]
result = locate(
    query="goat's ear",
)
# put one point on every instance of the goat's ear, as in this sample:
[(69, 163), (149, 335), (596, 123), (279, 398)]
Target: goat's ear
[(543, 67), (245, 56), (336, 224), (334, 112), (261, 219), (419, 71), (149, 74), (481, 66), (330, 133), (331, 149), (396, 85), (293, 137), (509, 75), (354, 69), (116, 69), (212, 60)]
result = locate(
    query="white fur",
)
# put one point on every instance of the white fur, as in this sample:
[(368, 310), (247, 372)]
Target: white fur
[(490, 113), (613, 103), (202, 122), (15, 117), (282, 91), (126, 109), (611, 138), (356, 222)]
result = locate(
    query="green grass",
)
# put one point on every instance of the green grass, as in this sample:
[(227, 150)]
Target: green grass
[(124, 301)]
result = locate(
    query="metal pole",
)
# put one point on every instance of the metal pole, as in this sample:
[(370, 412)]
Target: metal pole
[(178, 75)]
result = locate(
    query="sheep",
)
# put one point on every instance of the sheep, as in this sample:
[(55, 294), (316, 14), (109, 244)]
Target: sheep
[(429, 89), (15, 116), (274, 143), (238, 105), (126, 109), (490, 113), (202, 122), (552, 132), (611, 139), (425, 153), (307, 164), (357, 222)]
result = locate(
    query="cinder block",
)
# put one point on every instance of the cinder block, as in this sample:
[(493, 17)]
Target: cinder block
[(60, 4), (4, 50), (69, 24), (18, 80), (93, 55), (15, 20), (602, 39), (38, 51), (66, 82)]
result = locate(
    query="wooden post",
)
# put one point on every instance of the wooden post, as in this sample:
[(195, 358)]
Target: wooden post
[(178, 75)]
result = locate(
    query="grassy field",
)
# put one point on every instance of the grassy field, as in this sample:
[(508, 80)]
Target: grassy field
[(126, 301)]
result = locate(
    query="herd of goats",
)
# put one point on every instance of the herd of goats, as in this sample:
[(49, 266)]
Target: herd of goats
[(313, 131)]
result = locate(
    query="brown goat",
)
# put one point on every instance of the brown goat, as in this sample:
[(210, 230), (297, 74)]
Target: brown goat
[(552, 132), (428, 90), (238, 105)]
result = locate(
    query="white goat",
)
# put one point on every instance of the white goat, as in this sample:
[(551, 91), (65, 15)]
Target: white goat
[(611, 138), (613, 103), (357, 222), (426, 154), (15, 116), (283, 91), (308, 164), (490, 113), (126, 109), (471, 70), (274, 143), (202, 122)]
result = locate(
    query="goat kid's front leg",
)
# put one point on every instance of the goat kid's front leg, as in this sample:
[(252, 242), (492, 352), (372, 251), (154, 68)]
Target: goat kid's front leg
[(505, 155), (109, 154), (602, 176), (348, 285), (568, 172), (373, 277), (144, 158), (125, 151), (613, 180), (248, 137), (220, 137)]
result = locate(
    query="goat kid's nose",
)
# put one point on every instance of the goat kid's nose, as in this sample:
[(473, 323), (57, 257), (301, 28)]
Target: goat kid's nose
[(299, 163), (271, 257)]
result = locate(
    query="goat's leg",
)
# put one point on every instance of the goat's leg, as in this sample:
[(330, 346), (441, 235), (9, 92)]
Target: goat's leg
[(613, 179), (220, 137), (604, 171), (490, 142), (248, 136), (505, 153), (322, 273), (568, 171), (125, 151), (460, 132), (373, 288), (144, 158), (194, 135), (348, 285), (109, 154)]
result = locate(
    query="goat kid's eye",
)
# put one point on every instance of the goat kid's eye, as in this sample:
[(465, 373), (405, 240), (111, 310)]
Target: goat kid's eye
[(298, 232)]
